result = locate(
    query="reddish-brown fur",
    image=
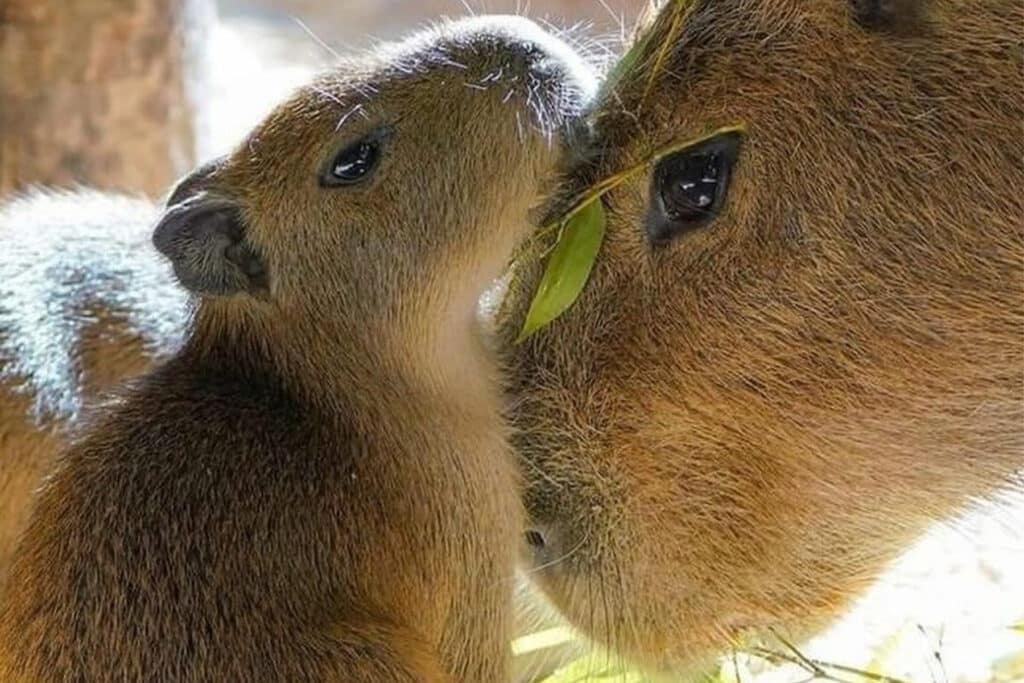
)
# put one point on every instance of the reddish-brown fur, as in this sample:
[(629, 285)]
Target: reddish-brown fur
[(741, 428), (316, 485)]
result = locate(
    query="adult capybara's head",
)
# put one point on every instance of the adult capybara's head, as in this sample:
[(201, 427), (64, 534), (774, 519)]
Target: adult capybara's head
[(392, 188), (802, 339)]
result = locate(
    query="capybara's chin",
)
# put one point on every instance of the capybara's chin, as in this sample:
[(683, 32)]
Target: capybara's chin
[(800, 345)]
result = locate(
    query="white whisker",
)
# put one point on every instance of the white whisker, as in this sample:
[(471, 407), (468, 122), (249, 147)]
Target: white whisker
[(317, 39), (349, 113)]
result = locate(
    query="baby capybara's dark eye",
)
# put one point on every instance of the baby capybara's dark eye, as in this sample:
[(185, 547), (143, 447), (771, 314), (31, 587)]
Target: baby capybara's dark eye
[(689, 187), (354, 163)]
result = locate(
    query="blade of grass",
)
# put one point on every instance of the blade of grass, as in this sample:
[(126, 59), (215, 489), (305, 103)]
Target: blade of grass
[(681, 9), (820, 668), (608, 183)]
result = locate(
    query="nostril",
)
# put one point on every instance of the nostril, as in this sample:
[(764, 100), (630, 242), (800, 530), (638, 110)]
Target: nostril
[(535, 539)]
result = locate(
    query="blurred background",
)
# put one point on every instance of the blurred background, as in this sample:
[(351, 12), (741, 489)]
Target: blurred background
[(128, 95), (263, 47)]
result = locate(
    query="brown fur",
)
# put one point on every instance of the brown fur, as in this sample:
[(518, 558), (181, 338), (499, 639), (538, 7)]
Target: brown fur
[(85, 302), (741, 428), (316, 486)]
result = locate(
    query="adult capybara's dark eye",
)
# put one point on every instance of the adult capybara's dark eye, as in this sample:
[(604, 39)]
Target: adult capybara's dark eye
[(353, 164), (689, 187)]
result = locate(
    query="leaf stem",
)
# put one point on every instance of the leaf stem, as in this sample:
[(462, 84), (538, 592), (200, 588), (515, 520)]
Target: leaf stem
[(821, 669)]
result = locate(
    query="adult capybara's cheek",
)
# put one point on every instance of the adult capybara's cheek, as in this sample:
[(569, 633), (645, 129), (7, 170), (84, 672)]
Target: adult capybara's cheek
[(679, 552), (640, 583)]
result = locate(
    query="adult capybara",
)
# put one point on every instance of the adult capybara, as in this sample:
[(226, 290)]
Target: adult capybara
[(316, 485), (803, 339)]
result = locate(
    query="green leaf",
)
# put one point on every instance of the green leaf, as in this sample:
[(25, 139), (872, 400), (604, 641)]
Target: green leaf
[(568, 267)]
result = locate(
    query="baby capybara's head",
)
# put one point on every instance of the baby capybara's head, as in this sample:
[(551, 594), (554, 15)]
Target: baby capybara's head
[(802, 339), (380, 200)]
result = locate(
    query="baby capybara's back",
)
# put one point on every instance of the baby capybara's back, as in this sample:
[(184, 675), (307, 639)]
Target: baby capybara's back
[(84, 304)]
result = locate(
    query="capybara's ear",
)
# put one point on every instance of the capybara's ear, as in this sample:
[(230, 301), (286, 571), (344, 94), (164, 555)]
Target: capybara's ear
[(204, 237), (895, 16)]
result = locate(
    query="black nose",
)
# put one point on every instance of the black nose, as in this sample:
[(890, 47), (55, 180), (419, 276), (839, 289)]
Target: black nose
[(535, 539)]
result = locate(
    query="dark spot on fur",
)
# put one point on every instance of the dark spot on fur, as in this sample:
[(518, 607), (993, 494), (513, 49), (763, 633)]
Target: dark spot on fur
[(901, 17)]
